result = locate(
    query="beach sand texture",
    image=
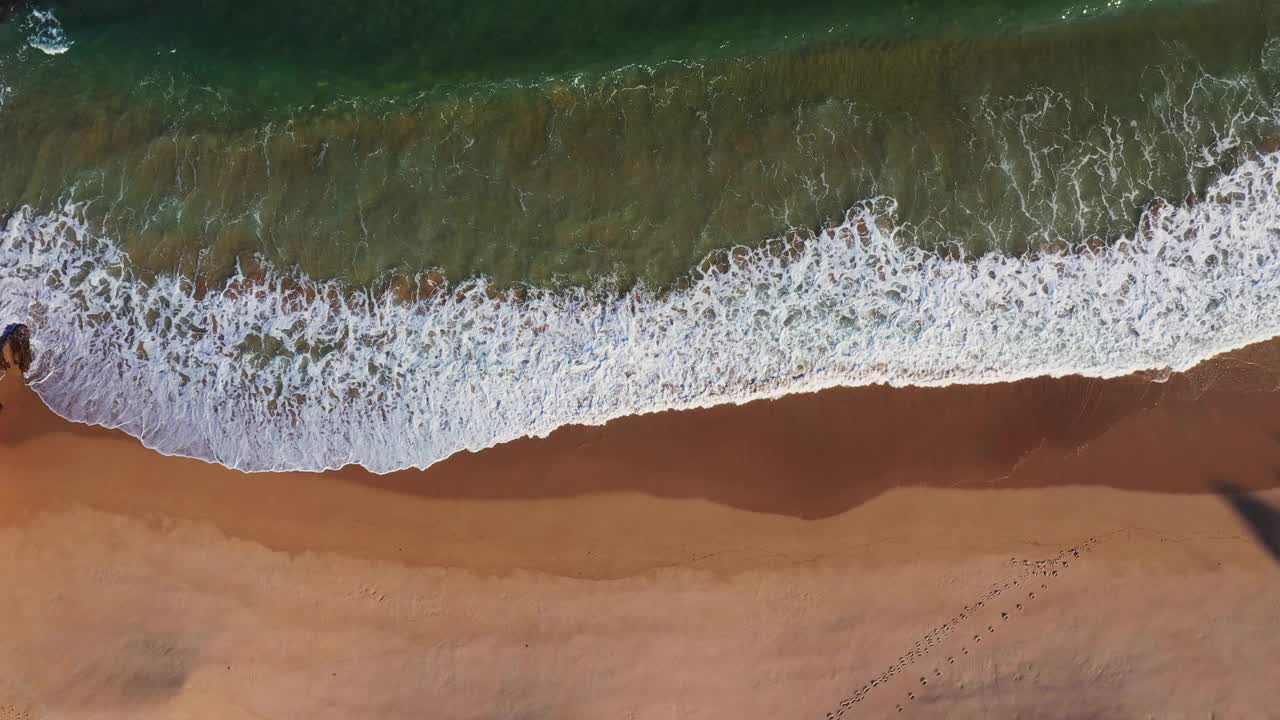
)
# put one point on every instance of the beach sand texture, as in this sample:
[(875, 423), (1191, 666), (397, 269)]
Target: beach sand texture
[(518, 246), (1046, 549)]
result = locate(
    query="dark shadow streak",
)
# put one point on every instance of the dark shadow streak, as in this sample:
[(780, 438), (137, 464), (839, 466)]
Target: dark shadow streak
[(816, 456), (1262, 518)]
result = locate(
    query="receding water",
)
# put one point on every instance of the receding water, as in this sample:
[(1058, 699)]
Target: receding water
[(231, 223)]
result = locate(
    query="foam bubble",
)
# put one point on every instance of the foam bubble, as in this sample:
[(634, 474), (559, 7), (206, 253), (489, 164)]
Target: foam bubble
[(279, 373), (45, 33)]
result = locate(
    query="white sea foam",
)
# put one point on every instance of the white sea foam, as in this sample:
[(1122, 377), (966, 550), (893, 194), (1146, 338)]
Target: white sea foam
[(391, 385), (45, 33)]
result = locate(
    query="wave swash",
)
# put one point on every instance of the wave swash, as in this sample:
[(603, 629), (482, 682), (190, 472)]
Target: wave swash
[(277, 373)]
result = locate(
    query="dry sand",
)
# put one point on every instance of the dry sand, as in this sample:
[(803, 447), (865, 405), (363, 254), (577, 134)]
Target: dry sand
[(1045, 549)]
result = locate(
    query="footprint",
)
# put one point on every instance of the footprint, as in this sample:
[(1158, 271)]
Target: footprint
[(937, 635)]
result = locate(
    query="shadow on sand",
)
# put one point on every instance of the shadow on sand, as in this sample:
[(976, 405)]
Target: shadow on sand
[(1261, 517), (815, 456)]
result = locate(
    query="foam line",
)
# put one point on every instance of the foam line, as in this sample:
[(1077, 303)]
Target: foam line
[(351, 378)]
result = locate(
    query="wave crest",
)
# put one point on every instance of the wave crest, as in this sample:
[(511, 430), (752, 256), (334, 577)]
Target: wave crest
[(283, 373), (45, 33)]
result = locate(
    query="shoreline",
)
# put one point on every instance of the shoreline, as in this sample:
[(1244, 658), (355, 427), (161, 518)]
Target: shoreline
[(796, 460), (225, 374), (699, 361), (963, 552)]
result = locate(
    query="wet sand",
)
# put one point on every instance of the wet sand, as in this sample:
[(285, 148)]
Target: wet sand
[(764, 561)]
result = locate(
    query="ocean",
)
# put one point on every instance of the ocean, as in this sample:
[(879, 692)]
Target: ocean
[(282, 236)]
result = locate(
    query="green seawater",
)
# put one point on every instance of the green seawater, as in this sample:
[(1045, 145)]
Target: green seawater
[(558, 143)]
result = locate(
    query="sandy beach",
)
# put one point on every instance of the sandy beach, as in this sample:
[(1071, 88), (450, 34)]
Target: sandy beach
[(1063, 548), (378, 360)]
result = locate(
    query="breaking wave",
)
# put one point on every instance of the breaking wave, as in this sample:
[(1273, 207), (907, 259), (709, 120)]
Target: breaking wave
[(45, 33), (283, 373)]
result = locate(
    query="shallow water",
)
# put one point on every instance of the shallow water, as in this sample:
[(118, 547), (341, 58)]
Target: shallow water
[(196, 141), (364, 238)]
